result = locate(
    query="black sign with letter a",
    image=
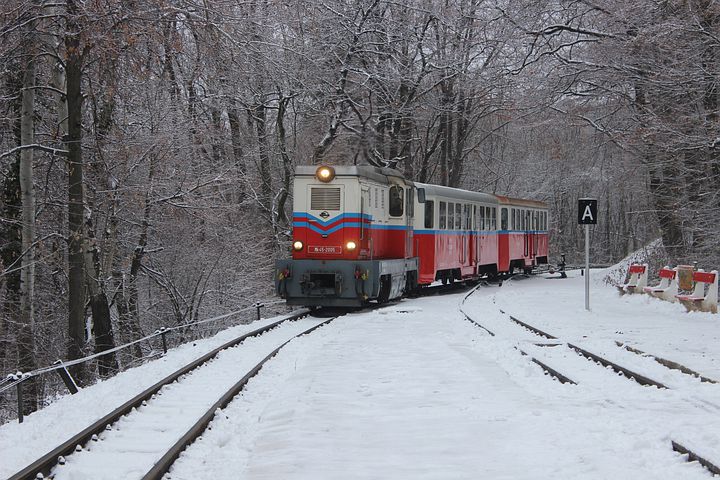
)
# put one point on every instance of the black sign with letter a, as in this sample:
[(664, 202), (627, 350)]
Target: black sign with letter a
[(587, 211)]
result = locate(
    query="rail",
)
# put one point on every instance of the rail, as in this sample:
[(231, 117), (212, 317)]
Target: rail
[(45, 464), (16, 380)]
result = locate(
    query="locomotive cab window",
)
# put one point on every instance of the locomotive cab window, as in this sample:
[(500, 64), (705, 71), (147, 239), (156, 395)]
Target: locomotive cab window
[(430, 214), (410, 202), (396, 201)]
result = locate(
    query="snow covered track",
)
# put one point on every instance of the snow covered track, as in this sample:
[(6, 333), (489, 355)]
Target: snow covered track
[(56, 465), (526, 326), (641, 379), (668, 363), (700, 403), (163, 465), (693, 457)]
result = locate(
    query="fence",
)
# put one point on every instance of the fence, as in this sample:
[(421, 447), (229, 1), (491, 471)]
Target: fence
[(53, 385)]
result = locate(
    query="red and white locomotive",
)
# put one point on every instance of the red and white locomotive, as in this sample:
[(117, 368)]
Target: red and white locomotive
[(364, 233)]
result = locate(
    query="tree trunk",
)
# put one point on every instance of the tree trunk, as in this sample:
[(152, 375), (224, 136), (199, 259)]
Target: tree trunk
[(76, 273), (665, 202), (236, 139), (259, 114), (25, 336), (282, 220), (102, 324), (11, 232)]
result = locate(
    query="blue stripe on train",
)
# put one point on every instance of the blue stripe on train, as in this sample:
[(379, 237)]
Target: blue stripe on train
[(325, 223), (334, 229)]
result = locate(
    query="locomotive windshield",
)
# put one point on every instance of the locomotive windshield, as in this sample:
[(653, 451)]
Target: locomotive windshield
[(396, 201)]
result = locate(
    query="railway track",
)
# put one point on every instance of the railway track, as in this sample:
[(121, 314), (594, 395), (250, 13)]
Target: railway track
[(624, 372), (144, 436)]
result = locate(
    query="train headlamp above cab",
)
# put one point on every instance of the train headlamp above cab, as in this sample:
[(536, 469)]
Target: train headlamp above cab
[(298, 245), (325, 173), (351, 246)]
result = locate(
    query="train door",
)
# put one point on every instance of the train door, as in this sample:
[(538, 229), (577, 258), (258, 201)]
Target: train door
[(365, 230), (409, 219), (475, 235), (528, 234), (466, 234)]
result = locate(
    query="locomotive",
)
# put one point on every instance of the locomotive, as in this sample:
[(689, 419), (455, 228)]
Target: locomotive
[(364, 233)]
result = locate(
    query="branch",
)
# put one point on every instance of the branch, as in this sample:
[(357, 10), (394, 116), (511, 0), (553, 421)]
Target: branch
[(35, 146), (553, 29)]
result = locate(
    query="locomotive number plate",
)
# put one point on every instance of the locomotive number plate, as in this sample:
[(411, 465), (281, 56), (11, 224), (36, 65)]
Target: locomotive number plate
[(330, 250)]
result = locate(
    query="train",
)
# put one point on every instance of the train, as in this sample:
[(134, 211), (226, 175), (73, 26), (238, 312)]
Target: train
[(365, 234)]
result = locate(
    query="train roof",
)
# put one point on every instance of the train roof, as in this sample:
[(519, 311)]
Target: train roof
[(521, 202), (457, 193), (367, 171)]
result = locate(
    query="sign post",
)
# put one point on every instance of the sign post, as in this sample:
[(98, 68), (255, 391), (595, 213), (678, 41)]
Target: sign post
[(587, 215)]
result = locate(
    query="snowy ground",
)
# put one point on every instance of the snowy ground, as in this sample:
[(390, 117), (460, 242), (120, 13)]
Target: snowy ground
[(415, 391)]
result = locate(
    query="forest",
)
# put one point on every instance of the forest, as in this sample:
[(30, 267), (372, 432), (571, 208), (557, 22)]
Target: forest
[(147, 146)]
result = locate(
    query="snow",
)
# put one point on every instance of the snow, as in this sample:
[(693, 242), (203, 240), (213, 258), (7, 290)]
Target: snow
[(414, 390)]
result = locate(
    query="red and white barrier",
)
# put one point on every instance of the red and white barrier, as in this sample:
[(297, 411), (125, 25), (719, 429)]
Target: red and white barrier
[(668, 287), (638, 279), (699, 300)]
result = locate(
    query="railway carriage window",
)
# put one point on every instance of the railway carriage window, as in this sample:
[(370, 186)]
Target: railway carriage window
[(443, 215), (504, 219), (476, 219), (451, 216), (523, 220), (458, 216), (396, 201), (481, 225), (376, 198), (467, 219), (429, 214), (494, 218)]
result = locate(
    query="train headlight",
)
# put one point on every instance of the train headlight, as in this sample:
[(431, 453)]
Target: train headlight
[(298, 245), (351, 245), (325, 173)]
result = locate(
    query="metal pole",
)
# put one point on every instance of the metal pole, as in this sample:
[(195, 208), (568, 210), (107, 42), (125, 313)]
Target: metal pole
[(20, 400), (66, 378), (587, 267)]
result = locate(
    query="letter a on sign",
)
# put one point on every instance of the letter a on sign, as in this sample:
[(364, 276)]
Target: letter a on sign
[(587, 211)]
